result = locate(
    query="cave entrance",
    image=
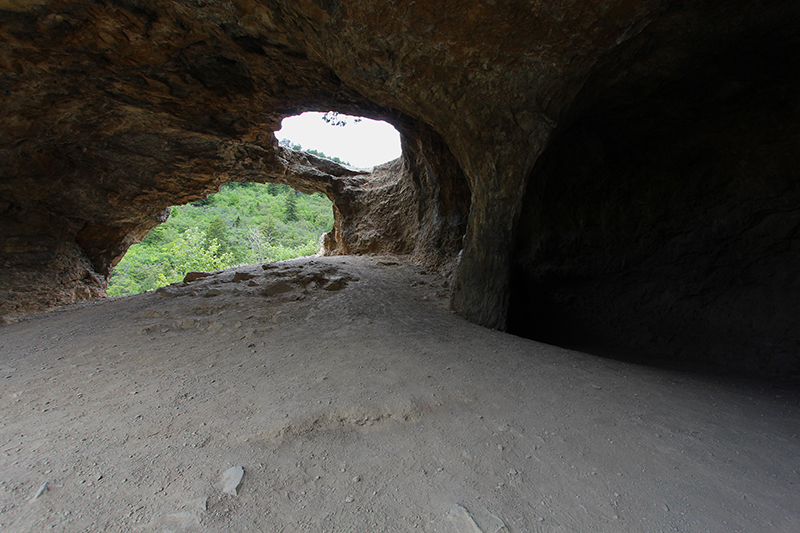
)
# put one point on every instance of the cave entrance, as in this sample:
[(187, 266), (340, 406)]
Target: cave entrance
[(355, 141), (250, 223), (244, 223)]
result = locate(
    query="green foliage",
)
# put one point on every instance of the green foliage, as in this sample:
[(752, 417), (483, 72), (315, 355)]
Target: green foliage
[(286, 143), (335, 119), (216, 231), (242, 224), (332, 158), (150, 267), (201, 203), (290, 208), (193, 251)]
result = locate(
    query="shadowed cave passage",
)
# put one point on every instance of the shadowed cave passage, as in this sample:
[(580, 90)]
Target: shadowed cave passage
[(665, 229)]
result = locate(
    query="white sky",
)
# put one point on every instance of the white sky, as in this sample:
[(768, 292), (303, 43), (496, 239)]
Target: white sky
[(364, 144)]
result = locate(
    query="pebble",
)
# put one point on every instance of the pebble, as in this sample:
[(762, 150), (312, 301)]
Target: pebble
[(42, 490), (231, 479), (460, 520)]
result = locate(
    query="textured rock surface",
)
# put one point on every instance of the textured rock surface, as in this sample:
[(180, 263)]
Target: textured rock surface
[(417, 204), (663, 220), (667, 133), (51, 257)]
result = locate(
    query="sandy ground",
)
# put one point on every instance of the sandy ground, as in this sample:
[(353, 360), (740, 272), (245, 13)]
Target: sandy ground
[(354, 400)]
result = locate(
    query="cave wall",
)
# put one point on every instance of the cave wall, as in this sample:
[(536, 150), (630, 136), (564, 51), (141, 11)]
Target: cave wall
[(417, 205), (118, 109), (665, 226), (114, 111), (42, 266)]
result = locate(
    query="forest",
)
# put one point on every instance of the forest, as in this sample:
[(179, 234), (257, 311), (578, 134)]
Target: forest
[(244, 223)]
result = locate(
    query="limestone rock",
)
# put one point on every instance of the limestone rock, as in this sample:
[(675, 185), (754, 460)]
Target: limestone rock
[(277, 287), (619, 174), (194, 276), (231, 479), (242, 276), (459, 520)]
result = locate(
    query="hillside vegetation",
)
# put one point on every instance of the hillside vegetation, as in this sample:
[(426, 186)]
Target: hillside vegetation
[(244, 223)]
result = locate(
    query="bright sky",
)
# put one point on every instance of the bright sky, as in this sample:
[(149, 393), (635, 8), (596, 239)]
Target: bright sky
[(364, 144)]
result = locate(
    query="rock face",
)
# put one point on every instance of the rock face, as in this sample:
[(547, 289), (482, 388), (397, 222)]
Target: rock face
[(617, 173), (663, 218), (418, 204)]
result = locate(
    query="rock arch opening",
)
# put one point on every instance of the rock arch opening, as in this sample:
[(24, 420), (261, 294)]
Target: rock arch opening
[(244, 223), (356, 141)]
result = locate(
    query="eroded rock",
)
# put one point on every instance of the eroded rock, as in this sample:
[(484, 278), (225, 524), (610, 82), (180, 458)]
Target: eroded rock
[(632, 163), (195, 275)]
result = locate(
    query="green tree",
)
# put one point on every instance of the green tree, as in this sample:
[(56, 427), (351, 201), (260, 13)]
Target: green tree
[(217, 230), (331, 157), (290, 207), (145, 268), (189, 252), (202, 202), (268, 228)]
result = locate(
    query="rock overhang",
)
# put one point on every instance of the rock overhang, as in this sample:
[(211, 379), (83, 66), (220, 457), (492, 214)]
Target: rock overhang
[(115, 111)]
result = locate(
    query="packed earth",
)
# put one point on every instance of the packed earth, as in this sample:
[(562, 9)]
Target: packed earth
[(342, 394)]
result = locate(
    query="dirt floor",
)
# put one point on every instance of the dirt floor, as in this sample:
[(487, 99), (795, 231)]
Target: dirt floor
[(353, 400)]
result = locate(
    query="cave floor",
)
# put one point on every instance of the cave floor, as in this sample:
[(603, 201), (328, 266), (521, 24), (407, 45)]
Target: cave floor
[(355, 400)]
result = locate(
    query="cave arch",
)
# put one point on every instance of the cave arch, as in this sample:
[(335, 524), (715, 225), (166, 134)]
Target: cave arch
[(242, 224), (117, 110)]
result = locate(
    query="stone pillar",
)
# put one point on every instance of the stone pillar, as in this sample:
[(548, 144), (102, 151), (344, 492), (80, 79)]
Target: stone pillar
[(498, 178)]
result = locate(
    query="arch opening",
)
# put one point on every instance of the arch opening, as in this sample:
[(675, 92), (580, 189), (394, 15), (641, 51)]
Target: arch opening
[(249, 223), (242, 224), (358, 142)]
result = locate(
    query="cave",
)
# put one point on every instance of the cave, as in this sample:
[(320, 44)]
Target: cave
[(660, 224), (616, 177)]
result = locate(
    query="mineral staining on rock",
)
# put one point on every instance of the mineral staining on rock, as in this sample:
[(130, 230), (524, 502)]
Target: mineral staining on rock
[(624, 172)]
